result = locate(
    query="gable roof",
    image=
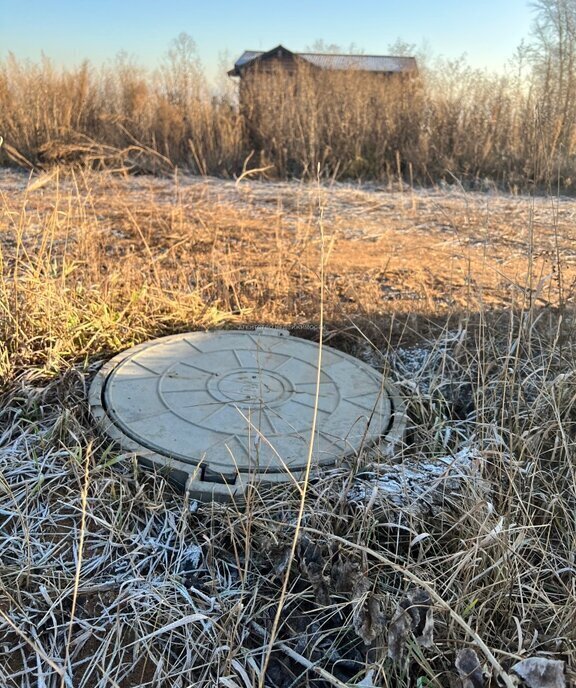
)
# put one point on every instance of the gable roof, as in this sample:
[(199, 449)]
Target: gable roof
[(364, 63)]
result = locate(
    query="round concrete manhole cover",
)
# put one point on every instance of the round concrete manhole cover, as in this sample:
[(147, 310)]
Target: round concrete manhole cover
[(220, 410)]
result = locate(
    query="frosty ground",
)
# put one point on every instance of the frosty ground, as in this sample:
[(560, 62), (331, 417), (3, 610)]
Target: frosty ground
[(464, 300)]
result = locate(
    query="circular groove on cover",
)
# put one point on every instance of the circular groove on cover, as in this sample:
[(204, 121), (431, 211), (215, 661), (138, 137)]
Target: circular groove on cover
[(220, 410)]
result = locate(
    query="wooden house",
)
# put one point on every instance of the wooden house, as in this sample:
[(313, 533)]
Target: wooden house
[(252, 63), (302, 106)]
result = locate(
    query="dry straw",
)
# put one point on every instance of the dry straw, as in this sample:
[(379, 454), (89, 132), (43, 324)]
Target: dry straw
[(513, 130), (110, 578)]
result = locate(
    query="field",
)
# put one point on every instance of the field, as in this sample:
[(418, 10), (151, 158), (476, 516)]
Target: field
[(446, 564)]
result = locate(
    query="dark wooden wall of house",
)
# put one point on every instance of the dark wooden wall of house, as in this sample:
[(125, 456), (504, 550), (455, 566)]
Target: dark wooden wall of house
[(269, 63)]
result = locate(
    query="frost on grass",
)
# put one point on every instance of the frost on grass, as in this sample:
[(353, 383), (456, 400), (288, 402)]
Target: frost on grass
[(101, 584), (419, 487), (136, 582), (541, 672), (134, 586)]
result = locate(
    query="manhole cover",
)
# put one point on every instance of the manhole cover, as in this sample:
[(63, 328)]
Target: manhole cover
[(220, 410)]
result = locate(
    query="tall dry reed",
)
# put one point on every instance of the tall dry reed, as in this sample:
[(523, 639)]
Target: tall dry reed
[(451, 122)]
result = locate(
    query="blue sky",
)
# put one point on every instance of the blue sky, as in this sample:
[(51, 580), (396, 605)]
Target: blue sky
[(68, 31)]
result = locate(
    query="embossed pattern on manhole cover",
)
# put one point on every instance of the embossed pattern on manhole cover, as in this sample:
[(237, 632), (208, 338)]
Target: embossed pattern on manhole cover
[(219, 410)]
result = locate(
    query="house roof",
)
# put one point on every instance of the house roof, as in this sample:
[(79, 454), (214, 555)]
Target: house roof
[(247, 56), (364, 63)]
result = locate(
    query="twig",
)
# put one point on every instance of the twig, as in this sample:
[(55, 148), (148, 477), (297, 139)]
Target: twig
[(80, 556), (255, 170)]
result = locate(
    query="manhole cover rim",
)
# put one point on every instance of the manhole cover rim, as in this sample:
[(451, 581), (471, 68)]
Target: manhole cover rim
[(171, 462)]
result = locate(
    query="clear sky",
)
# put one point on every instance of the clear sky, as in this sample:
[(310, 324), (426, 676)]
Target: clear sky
[(68, 31)]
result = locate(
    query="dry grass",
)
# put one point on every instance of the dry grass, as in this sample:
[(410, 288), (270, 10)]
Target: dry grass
[(453, 122), (110, 578)]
